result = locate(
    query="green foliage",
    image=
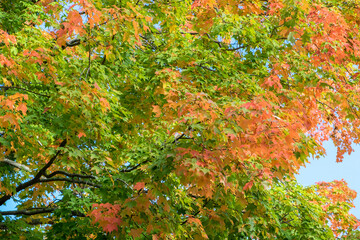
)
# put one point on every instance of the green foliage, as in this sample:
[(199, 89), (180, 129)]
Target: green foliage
[(175, 119)]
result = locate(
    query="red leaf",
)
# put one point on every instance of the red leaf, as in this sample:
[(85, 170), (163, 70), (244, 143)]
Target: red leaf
[(81, 134), (248, 185), (111, 226), (139, 185), (97, 86), (59, 83), (46, 109)]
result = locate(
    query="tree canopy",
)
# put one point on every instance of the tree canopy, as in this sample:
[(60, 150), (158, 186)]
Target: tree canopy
[(176, 119)]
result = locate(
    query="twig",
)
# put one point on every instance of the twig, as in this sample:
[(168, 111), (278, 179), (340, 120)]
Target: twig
[(134, 168)]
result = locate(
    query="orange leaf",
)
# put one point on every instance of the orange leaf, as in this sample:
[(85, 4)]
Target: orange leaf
[(59, 83), (104, 103), (248, 185), (156, 110), (22, 107), (139, 185), (81, 134)]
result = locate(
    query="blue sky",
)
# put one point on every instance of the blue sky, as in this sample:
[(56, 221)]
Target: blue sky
[(327, 169)]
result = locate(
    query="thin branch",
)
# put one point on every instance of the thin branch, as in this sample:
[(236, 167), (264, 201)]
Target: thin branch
[(324, 104), (28, 212), (68, 180), (43, 170), (15, 164), (34, 211), (27, 90), (88, 73), (207, 68), (195, 214), (235, 49), (191, 33), (217, 42), (146, 161), (68, 175), (134, 168)]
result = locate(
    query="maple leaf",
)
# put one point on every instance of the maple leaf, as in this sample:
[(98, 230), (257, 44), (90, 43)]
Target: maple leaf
[(81, 134), (97, 86), (248, 185), (138, 186), (59, 83), (22, 107), (157, 110), (135, 233), (111, 226), (104, 103)]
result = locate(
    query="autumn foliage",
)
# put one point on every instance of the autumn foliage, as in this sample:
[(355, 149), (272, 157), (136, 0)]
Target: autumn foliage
[(141, 119)]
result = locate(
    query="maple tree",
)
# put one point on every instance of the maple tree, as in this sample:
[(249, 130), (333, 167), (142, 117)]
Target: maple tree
[(172, 119)]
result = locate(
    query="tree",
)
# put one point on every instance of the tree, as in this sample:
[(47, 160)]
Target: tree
[(175, 119)]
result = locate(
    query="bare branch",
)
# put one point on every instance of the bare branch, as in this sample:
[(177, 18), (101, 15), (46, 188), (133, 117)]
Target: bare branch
[(15, 164)]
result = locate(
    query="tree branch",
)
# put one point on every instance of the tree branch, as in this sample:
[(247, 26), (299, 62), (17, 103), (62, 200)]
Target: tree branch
[(36, 179), (28, 212), (15, 164), (34, 211), (72, 175), (133, 168), (27, 90), (68, 180), (72, 43)]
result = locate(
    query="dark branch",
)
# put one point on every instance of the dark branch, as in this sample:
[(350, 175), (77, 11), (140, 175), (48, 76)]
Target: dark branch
[(72, 43), (72, 175), (36, 179), (69, 180), (43, 170), (28, 212), (207, 68), (34, 211), (133, 168)]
